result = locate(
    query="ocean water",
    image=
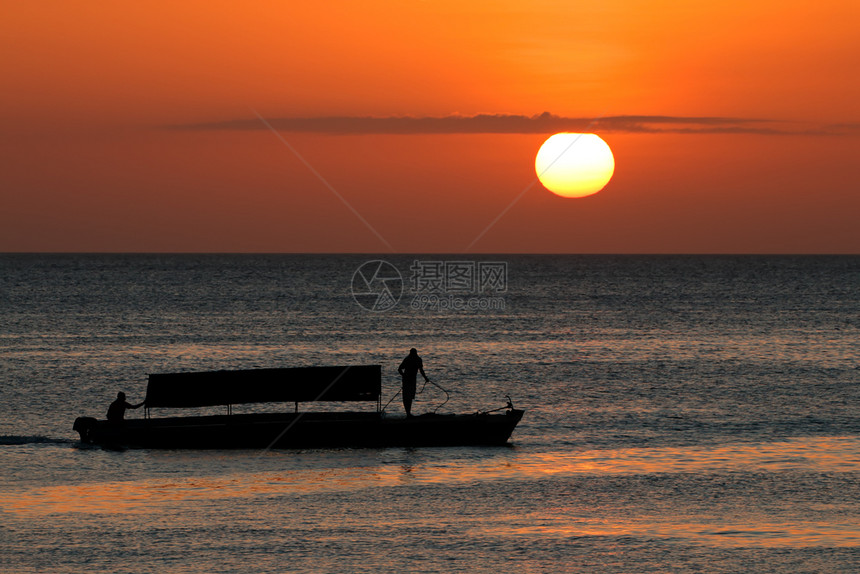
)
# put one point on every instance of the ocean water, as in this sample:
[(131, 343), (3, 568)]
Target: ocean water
[(683, 414)]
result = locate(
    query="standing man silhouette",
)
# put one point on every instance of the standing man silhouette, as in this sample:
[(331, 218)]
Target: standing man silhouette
[(409, 369)]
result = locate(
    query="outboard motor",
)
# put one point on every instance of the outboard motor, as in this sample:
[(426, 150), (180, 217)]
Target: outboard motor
[(85, 427)]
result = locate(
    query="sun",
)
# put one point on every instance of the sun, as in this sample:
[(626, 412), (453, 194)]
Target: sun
[(574, 165)]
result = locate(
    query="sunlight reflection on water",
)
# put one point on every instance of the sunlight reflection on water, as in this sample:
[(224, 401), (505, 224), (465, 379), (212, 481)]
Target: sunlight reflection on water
[(822, 455), (717, 532)]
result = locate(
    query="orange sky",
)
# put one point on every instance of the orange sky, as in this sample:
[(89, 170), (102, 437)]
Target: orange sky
[(107, 143)]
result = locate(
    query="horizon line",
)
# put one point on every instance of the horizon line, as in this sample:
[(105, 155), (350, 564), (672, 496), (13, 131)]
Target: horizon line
[(456, 253)]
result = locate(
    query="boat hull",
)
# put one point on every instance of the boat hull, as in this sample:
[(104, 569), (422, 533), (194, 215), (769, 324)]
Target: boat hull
[(302, 430)]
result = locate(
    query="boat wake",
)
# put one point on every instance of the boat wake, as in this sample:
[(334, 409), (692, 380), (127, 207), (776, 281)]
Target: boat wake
[(11, 440)]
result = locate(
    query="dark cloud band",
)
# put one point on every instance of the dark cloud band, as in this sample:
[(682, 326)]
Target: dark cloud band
[(517, 124)]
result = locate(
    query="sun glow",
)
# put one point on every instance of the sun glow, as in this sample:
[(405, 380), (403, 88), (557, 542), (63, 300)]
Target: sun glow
[(574, 165)]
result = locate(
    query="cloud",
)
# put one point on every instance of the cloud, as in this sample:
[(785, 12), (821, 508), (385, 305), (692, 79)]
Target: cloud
[(519, 124)]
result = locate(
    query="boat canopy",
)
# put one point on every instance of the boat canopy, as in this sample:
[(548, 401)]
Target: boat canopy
[(296, 384)]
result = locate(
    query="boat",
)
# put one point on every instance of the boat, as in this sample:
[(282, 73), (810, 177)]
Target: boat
[(296, 429)]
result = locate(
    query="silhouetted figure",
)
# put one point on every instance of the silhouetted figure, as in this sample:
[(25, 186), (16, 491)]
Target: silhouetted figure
[(409, 369), (116, 410)]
